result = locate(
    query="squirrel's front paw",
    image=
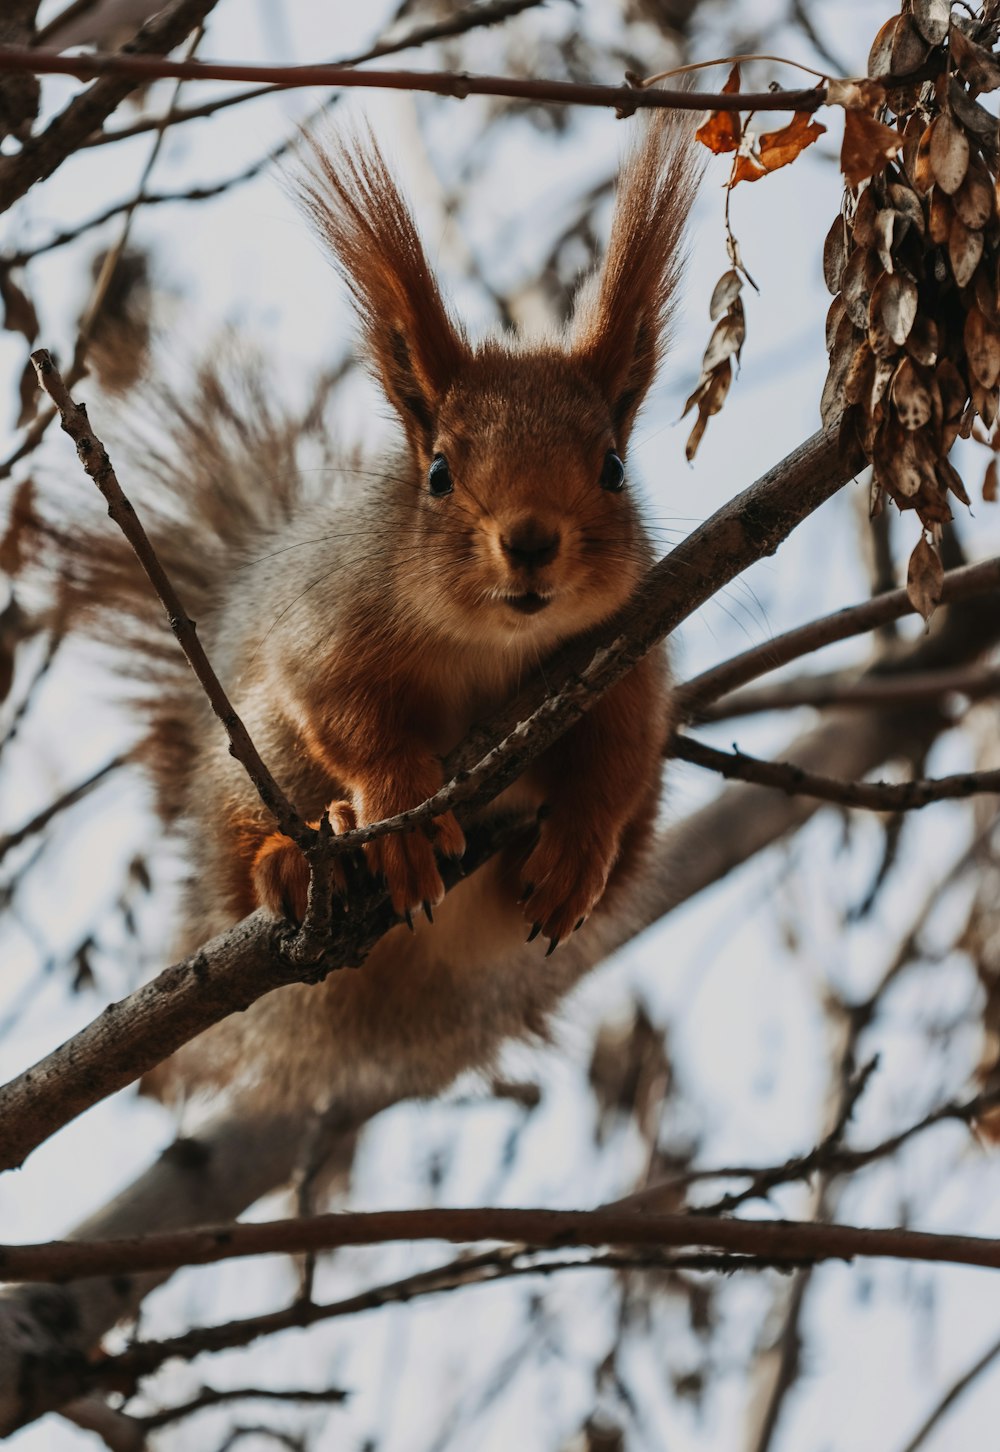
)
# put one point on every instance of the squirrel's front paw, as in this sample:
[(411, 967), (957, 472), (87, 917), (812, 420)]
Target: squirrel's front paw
[(406, 860), (563, 881), (281, 872)]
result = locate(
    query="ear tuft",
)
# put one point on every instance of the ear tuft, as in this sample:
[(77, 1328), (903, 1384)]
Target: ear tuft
[(622, 321), (414, 347)]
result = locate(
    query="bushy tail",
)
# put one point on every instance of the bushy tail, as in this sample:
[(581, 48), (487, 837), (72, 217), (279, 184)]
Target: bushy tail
[(211, 470)]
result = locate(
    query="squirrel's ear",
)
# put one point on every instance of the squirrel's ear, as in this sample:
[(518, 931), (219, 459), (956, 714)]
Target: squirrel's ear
[(414, 347), (622, 318)]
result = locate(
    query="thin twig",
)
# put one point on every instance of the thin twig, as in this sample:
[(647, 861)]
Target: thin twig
[(472, 17), (845, 688), (62, 803), (218, 1396), (122, 1372), (904, 796), (962, 584), (981, 1364)]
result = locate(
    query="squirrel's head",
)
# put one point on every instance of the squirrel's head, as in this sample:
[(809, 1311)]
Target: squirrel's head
[(524, 518)]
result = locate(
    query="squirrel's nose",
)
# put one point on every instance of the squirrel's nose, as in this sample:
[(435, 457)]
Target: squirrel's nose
[(530, 541)]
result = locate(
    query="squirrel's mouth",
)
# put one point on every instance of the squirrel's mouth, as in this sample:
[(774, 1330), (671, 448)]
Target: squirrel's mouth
[(528, 604)]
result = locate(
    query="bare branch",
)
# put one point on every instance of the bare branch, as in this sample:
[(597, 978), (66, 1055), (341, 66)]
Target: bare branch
[(961, 584), (625, 99), (983, 1363), (472, 17), (41, 155), (844, 688), (905, 796), (66, 799), (778, 1240)]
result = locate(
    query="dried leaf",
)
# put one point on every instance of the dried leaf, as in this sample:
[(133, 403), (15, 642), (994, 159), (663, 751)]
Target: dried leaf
[(922, 341), (950, 479), (861, 274), (922, 174), (885, 235), (727, 338), (726, 290), (855, 95), (906, 201), (978, 65), (723, 130), (880, 55), (912, 133), (924, 578), (940, 218), (974, 201), (834, 255), (986, 295), (778, 148), (953, 395), (909, 48), (965, 248), (860, 374), (910, 396), (982, 348), (865, 214), (834, 314), (891, 311), (932, 18), (748, 168), (990, 482), (986, 403), (19, 314), (709, 396), (971, 114), (841, 357), (949, 152), (868, 146)]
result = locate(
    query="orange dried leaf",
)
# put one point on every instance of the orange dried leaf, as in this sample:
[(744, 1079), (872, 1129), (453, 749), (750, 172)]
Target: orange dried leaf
[(868, 146), (778, 148), (748, 168), (723, 130), (990, 482)]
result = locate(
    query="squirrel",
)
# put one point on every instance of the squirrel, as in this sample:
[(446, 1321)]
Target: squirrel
[(363, 631)]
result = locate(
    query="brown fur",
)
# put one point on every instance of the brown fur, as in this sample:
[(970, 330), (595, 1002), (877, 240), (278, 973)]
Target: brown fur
[(362, 636)]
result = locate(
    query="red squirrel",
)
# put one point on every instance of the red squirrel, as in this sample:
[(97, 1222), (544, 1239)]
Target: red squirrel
[(363, 632)]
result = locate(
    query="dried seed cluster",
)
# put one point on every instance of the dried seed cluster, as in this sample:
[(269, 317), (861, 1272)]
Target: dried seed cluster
[(914, 329)]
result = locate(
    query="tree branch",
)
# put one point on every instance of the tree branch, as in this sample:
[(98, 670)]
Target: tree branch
[(625, 99), (961, 584), (778, 1240), (41, 155), (904, 796)]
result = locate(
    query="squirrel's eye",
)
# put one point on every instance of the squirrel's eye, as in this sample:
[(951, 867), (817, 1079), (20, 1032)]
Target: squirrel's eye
[(439, 477), (613, 473)]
